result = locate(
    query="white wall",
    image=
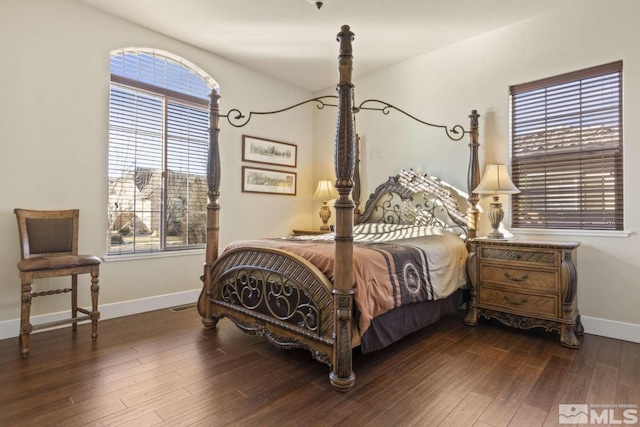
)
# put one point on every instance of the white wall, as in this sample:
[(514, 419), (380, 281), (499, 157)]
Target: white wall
[(445, 85), (54, 83), (54, 97)]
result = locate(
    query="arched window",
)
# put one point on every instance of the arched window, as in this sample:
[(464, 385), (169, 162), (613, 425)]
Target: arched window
[(158, 141)]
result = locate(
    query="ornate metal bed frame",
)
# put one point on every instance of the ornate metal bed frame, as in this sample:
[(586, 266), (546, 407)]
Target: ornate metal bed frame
[(283, 297)]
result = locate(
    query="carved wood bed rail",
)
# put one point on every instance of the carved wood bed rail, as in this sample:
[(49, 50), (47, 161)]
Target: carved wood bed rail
[(278, 295), (282, 296)]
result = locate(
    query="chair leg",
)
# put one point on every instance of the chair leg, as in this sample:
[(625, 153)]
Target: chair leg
[(74, 300), (95, 314), (25, 325)]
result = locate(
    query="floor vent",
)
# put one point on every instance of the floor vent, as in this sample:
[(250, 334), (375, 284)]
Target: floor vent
[(183, 307)]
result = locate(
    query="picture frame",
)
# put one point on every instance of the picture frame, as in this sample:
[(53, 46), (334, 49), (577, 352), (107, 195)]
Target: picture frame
[(269, 181), (270, 152)]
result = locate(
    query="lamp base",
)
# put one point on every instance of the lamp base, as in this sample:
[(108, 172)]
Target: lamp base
[(495, 234), (325, 214), (495, 214)]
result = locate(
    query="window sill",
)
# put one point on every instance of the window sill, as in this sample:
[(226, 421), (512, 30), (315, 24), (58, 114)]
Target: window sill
[(152, 255), (589, 233)]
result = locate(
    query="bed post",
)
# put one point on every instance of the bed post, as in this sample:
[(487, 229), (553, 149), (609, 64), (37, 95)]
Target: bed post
[(473, 176), (213, 209), (356, 183), (342, 377)]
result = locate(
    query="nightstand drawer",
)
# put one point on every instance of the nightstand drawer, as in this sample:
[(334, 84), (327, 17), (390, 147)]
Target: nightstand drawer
[(537, 257), (527, 279), (536, 305)]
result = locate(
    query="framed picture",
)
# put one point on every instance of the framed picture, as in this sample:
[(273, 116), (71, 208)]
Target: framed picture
[(261, 150), (258, 180)]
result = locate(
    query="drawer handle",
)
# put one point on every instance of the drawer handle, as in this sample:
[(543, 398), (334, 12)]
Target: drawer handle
[(524, 300), (515, 279)]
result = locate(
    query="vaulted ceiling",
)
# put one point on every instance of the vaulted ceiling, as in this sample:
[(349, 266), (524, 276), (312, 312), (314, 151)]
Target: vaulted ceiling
[(294, 41)]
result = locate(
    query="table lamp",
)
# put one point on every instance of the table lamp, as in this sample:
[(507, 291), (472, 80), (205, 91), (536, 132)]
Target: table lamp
[(496, 181), (325, 192)]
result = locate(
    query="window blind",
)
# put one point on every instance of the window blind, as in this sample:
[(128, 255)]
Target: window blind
[(566, 151), (158, 142)]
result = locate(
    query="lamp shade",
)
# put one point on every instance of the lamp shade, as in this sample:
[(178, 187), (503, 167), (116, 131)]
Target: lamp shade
[(325, 191), (496, 181)]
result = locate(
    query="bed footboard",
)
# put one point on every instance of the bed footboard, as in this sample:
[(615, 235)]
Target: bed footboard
[(275, 294)]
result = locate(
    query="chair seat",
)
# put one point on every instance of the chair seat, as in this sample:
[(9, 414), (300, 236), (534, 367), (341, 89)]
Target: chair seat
[(57, 261)]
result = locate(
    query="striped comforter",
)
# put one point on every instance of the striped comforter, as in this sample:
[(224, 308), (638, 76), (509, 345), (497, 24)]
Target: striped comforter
[(393, 265)]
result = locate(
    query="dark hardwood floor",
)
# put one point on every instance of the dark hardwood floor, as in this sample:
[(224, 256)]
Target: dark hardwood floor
[(163, 369)]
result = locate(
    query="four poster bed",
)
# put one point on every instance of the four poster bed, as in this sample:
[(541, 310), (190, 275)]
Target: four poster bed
[(405, 269)]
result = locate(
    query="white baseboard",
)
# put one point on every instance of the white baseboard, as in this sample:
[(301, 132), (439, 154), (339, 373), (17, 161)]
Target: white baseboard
[(611, 329), (10, 328)]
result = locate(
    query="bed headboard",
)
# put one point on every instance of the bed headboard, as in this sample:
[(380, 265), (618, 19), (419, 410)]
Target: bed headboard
[(414, 198)]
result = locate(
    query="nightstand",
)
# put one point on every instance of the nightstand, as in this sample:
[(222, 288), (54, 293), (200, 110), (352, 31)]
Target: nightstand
[(308, 232), (525, 284)]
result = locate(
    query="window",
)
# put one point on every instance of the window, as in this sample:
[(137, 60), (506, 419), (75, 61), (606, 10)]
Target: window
[(566, 151), (158, 142)]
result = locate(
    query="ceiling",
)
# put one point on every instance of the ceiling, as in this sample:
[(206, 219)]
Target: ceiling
[(295, 42)]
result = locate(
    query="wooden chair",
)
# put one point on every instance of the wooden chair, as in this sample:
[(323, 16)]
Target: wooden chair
[(49, 248)]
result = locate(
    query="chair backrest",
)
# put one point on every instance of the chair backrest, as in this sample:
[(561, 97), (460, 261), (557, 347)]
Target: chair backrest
[(45, 233)]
